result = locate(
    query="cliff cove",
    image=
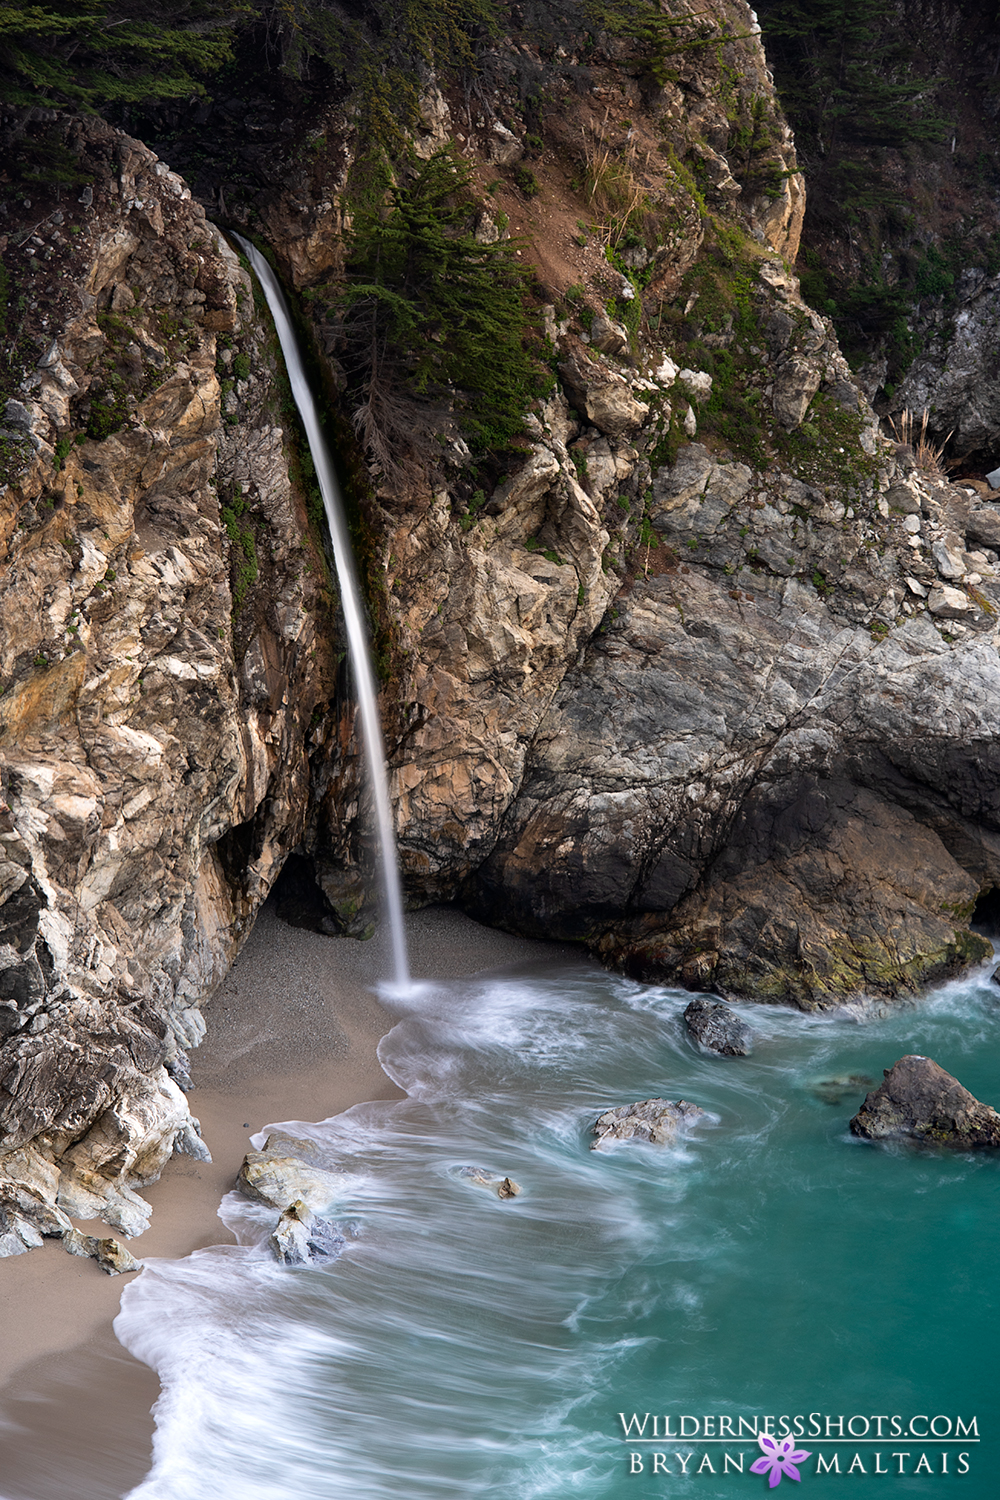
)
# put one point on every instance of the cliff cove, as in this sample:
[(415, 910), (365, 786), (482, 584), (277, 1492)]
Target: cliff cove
[(670, 493)]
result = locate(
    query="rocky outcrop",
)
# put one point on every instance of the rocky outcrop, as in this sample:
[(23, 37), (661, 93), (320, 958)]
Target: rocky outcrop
[(655, 1120), (286, 1176), (767, 774), (302, 1237), (702, 680), (920, 1100), (279, 1175), (718, 1028), (702, 676), (153, 727)]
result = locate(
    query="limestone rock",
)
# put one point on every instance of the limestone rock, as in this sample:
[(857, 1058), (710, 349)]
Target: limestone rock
[(151, 748), (655, 1120), (948, 562), (604, 397), (112, 1257), (718, 1028), (920, 1100), (698, 383), (607, 336), (796, 383), (948, 603), (902, 498)]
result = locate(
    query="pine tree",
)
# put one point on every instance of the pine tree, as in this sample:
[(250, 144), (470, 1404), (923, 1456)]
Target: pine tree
[(846, 76), (89, 53), (434, 317)]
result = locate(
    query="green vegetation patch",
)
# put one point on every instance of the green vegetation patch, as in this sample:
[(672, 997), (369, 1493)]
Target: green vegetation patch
[(435, 321), (244, 566), (89, 53)]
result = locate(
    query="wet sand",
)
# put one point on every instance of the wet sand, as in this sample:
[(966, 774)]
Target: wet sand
[(291, 1035)]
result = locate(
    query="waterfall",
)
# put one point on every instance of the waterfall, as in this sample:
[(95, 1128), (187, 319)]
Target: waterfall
[(350, 596)]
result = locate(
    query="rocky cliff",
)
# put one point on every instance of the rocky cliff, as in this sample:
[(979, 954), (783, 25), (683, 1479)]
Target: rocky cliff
[(154, 729), (698, 671)]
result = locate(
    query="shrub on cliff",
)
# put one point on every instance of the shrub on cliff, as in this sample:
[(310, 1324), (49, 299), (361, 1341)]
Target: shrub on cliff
[(433, 319)]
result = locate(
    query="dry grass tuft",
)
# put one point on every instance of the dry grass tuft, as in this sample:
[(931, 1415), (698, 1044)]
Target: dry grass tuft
[(929, 456), (613, 187)]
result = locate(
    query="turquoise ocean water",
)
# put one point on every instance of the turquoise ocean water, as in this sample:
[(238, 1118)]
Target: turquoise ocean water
[(769, 1265)]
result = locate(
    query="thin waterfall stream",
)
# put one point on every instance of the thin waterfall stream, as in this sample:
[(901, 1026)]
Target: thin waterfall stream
[(350, 595)]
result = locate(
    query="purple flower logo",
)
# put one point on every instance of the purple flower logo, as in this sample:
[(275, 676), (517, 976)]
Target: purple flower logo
[(780, 1457)]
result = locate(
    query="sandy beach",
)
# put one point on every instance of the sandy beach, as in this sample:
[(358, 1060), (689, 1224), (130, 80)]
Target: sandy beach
[(292, 1034)]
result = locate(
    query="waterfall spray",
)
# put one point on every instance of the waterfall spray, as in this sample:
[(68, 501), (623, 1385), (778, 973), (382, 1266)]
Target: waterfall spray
[(350, 596)]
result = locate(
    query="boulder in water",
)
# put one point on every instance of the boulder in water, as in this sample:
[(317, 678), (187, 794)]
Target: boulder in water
[(300, 1237), (718, 1028), (275, 1177), (655, 1120), (919, 1099)]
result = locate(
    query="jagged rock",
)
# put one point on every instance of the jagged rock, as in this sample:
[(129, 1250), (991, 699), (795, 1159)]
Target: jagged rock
[(698, 383), (953, 376), (717, 172), (131, 744), (112, 1257), (796, 383), (301, 1237), (655, 1120), (604, 397), (948, 603), (700, 758), (504, 1187), (718, 1028), (948, 563), (919, 1099), (607, 336)]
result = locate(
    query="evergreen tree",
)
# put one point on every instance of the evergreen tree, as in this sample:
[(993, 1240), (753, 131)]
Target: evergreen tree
[(88, 53), (846, 74), (432, 317)]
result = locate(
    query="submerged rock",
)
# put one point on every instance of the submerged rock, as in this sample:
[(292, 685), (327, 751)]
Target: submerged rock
[(656, 1120), (717, 1027), (835, 1090), (504, 1187), (919, 1099)]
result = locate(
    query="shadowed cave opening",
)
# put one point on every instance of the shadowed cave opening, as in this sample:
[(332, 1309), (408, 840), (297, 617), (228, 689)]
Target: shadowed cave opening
[(299, 899), (986, 914)]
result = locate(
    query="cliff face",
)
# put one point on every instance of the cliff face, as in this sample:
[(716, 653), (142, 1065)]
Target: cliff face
[(699, 672), (154, 760)]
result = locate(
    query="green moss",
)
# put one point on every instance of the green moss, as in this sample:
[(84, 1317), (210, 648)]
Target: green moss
[(243, 557)]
